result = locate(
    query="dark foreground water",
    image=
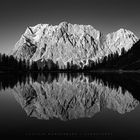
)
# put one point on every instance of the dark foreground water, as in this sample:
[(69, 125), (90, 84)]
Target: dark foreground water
[(72, 104)]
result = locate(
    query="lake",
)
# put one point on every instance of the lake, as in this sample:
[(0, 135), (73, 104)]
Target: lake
[(70, 104)]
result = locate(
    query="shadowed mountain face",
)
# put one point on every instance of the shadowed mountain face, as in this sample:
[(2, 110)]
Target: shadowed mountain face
[(67, 97)]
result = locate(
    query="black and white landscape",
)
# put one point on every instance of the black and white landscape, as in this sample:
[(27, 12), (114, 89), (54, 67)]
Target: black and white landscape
[(65, 77), (73, 47)]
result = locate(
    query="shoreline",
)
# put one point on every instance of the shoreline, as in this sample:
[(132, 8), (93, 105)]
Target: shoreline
[(72, 71)]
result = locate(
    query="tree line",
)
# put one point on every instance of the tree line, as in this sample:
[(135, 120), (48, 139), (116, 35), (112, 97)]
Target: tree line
[(9, 63)]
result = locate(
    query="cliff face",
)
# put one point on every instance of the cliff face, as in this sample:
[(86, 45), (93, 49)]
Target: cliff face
[(72, 99), (71, 43)]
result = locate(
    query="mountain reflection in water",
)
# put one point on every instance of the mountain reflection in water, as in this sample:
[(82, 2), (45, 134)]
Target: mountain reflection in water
[(68, 96)]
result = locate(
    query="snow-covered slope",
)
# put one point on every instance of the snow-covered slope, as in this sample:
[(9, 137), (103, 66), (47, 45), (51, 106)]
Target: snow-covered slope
[(71, 42)]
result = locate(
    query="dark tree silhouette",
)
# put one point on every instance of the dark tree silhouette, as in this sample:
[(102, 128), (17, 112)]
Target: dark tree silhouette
[(12, 64)]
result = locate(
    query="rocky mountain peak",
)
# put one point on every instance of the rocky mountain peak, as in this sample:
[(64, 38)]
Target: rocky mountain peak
[(68, 42), (121, 39)]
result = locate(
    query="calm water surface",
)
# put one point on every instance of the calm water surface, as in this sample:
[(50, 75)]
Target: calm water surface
[(80, 104)]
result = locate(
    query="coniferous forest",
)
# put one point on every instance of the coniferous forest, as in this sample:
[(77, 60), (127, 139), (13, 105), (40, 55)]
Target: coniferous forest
[(11, 64)]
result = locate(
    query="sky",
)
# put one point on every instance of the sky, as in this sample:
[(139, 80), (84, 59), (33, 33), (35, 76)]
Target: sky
[(104, 15)]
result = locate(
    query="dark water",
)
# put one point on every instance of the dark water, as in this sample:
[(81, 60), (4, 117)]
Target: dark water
[(72, 104)]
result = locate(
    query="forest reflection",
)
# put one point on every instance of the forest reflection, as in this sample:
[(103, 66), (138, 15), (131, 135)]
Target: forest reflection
[(126, 81)]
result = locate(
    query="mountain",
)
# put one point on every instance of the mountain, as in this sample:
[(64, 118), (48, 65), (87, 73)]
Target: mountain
[(72, 99), (71, 43)]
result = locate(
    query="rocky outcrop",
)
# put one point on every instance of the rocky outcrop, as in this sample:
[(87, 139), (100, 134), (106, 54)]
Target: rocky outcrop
[(72, 99), (71, 43)]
